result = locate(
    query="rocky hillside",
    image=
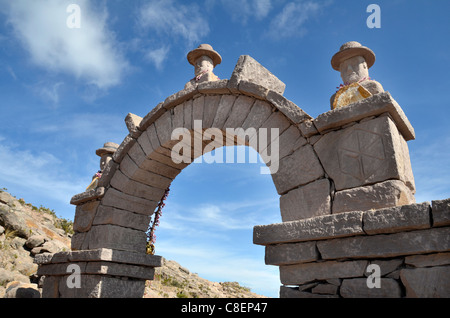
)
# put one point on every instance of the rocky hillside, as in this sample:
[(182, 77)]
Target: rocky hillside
[(26, 230)]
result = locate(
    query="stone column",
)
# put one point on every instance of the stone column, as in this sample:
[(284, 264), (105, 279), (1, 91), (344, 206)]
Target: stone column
[(100, 273)]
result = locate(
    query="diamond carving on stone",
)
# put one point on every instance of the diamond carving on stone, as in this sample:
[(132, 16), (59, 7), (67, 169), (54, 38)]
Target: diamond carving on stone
[(361, 154)]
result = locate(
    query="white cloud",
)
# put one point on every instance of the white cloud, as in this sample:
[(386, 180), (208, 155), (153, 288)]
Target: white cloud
[(158, 56), (88, 53), (290, 22), (39, 172), (172, 19)]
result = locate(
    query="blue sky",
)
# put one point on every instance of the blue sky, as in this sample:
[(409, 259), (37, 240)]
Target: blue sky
[(67, 91)]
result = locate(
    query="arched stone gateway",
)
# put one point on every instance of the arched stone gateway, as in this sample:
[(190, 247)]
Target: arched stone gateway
[(344, 179)]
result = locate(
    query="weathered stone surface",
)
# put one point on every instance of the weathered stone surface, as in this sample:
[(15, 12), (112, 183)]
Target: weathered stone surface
[(357, 288), (117, 269), (110, 215), (248, 69), (397, 219), (270, 131), (120, 200), (307, 128), (289, 292), (88, 196), (307, 201), (389, 245), (431, 282), (308, 272), (17, 289), (317, 228), (437, 259), (84, 215), (225, 105), (210, 109), (134, 188), (363, 154), (325, 289), (441, 212), (371, 106), (133, 121), (214, 87), (163, 127), (239, 112), (253, 90), (179, 97), (380, 195), (285, 254), (153, 115), (118, 238), (132, 171), (288, 108), (124, 147), (187, 112), (107, 174), (386, 266), (290, 140), (297, 169)]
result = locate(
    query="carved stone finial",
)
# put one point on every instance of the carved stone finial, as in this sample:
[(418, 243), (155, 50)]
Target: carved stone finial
[(204, 59), (353, 62)]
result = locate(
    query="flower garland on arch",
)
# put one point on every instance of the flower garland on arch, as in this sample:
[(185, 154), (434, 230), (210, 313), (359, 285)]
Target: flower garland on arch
[(151, 237)]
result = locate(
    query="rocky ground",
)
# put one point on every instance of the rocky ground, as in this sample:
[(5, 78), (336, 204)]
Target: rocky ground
[(26, 230)]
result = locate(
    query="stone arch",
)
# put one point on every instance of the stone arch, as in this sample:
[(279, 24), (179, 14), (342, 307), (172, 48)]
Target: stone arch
[(322, 167)]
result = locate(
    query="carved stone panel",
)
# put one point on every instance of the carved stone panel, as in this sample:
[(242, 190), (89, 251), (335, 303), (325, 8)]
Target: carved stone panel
[(365, 153)]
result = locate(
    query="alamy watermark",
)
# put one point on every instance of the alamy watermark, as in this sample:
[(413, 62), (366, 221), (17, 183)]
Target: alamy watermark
[(74, 279), (73, 21), (374, 279), (373, 20), (257, 139)]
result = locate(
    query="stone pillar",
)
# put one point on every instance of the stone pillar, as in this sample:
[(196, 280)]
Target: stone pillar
[(100, 273)]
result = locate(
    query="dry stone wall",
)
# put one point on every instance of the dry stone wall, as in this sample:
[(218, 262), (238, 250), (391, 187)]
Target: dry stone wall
[(329, 256), (329, 169)]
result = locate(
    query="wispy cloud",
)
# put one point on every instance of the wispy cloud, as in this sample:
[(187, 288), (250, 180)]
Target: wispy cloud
[(290, 22), (38, 171), (158, 56), (88, 53), (169, 18), (243, 10)]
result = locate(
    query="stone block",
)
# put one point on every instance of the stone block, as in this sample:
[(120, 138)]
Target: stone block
[(294, 113), (213, 87), (239, 112), (123, 148), (431, 282), (107, 174), (317, 228), (86, 196), (163, 127), (114, 216), (290, 140), (363, 154), (265, 137), (132, 171), (118, 238), (79, 241), (159, 168), (387, 245), (306, 201), (84, 215), (187, 118), (386, 266), (357, 288), (397, 219), (198, 105), (294, 253), (133, 121), (248, 69), (289, 292), (325, 289), (210, 109), (429, 260), (120, 200), (307, 128), (253, 89), (118, 269), (152, 116), (380, 195), (179, 97), (297, 169), (259, 113), (372, 106), (178, 117), (308, 272), (225, 105), (441, 212)]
